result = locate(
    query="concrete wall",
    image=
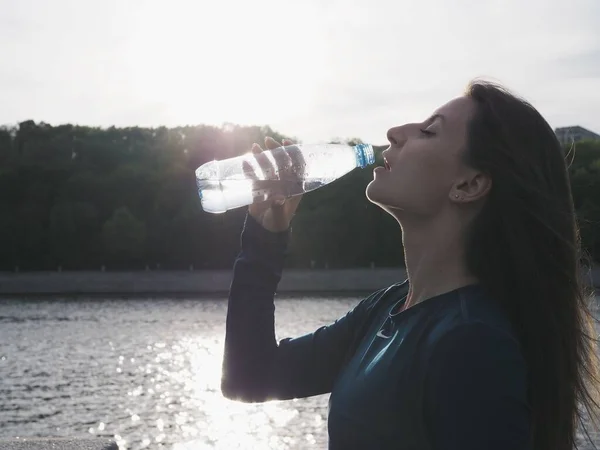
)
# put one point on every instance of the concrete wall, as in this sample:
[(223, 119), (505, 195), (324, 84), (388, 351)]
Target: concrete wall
[(57, 444), (181, 283), (209, 282)]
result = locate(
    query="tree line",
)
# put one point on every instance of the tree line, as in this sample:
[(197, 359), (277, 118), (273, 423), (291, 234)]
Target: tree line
[(85, 198)]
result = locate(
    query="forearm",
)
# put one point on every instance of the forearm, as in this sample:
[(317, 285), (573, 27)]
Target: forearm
[(250, 344)]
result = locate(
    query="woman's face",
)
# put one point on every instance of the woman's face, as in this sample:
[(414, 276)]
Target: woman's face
[(424, 169)]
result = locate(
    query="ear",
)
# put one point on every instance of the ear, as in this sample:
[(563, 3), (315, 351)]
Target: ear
[(475, 186)]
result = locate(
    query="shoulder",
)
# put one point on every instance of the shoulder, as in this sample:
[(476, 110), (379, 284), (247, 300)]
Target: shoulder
[(473, 332), (470, 314), (385, 296), (476, 338)]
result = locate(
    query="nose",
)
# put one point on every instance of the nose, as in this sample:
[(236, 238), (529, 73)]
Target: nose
[(396, 136)]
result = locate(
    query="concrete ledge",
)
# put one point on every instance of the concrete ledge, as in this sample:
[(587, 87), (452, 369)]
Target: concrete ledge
[(184, 282), (57, 444), (201, 282)]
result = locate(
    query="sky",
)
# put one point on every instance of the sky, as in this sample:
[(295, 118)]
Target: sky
[(312, 69)]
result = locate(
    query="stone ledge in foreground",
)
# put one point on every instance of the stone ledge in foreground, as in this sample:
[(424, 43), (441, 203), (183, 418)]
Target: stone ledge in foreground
[(57, 444)]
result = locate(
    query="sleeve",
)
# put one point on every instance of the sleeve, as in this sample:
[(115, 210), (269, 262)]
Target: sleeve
[(476, 392), (255, 366)]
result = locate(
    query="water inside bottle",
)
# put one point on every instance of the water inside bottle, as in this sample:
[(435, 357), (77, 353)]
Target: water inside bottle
[(218, 196)]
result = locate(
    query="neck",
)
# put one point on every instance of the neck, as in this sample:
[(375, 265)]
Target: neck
[(435, 259)]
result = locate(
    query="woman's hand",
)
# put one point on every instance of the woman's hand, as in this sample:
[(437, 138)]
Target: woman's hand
[(275, 213)]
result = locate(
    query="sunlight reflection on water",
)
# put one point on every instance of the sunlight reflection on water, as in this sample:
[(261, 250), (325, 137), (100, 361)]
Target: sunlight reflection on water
[(146, 373)]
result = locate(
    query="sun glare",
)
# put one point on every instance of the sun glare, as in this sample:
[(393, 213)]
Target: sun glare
[(229, 424), (230, 61)]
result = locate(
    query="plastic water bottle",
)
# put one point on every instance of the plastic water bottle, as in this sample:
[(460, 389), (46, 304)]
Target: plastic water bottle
[(288, 171)]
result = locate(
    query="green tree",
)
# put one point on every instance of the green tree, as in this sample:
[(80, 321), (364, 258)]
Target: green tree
[(74, 234), (124, 237), (82, 196), (6, 147)]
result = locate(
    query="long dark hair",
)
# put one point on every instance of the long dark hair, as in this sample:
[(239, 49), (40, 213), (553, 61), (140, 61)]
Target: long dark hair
[(524, 248)]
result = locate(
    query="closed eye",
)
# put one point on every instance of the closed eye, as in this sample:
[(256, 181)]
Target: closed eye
[(427, 133)]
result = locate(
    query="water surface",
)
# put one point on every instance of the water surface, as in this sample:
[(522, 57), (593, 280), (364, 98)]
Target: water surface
[(146, 373)]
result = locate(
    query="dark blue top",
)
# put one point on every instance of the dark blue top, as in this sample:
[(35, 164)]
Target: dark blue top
[(445, 374)]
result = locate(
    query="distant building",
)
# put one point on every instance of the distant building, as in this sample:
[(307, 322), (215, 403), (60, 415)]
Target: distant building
[(567, 135)]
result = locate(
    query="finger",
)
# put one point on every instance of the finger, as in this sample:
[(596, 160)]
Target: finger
[(260, 188), (247, 167), (286, 161), (271, 143), (298, 162), (283, 163), (249, 171), (269, 171)]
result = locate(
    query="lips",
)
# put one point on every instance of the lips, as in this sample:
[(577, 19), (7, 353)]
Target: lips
[(386, 164)]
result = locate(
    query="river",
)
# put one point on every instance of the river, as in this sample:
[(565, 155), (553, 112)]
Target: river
[(146, 373)]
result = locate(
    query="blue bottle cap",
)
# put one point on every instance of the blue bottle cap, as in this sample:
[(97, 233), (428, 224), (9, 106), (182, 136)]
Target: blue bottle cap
[(364, 155)]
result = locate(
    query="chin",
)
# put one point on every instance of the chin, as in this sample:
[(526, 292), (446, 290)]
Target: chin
[(371, 192), (375, 194), (381, 197)]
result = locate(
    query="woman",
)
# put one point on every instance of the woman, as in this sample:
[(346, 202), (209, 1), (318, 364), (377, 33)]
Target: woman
[(488, 343)]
